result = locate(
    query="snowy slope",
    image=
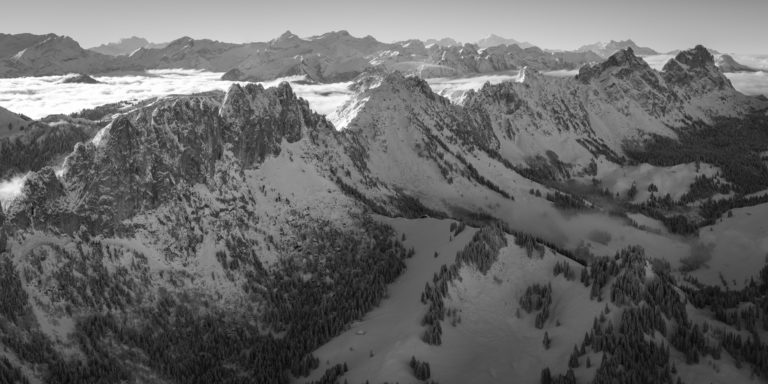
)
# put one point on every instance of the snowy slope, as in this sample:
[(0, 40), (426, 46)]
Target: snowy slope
[(10, 123), (486, 336), (203, 194)]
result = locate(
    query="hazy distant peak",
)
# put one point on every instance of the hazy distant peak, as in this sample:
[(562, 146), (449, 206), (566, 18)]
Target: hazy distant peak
[(444, 42), (60, 47), (125, 46), (727, 63), (607, 49), (493, 40), (287, 35)]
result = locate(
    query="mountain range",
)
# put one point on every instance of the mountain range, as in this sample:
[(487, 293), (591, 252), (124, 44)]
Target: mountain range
[(240, 236), (125, 46), (607, 49), (331, 57)]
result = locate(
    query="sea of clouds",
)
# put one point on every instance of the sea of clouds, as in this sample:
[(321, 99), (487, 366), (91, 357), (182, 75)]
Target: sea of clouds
[(38, 97)]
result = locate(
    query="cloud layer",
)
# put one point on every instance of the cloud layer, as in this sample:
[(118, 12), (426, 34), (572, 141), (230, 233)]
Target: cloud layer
[(38, 97)]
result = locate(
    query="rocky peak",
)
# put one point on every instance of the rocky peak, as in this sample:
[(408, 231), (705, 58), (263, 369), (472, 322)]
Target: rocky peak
[(139, 159), (384, 97), (80, 78), (626, 57), (286, 40), (258, 119), (621, 64), (697, 57), (181, 42), (333, 34), (397, 83), (695, 69), (53, 47), (243, 102)]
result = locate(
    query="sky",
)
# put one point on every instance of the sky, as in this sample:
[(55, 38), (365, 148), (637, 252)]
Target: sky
[(736, 26)]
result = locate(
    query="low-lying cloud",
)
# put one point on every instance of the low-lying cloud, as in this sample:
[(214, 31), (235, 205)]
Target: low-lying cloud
[(38, 97), (10, 189)]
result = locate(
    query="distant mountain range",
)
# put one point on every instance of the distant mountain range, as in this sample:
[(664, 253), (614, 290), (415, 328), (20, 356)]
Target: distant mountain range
[(495, 40), (331, 57), (489, 41), (607, 49), (126, 46)]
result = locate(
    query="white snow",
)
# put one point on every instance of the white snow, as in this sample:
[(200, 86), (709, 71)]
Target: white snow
[(393, 330), (674, 180), (740, 246)]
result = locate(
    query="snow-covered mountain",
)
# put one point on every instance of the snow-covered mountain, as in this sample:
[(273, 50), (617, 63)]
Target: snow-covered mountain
[(125, 46), (58, 55), (607, 49), (495, 40), (331, 57), (225, 236), (728, 64), (606, 105)]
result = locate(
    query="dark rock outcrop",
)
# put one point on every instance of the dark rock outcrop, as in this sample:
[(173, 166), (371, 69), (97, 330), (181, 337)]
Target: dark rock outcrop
[(80, 79)]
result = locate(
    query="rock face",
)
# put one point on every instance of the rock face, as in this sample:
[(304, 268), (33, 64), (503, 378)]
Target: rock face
[(80, 79), (695, 71), (622, 64), (260, 119), (28, 145)]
